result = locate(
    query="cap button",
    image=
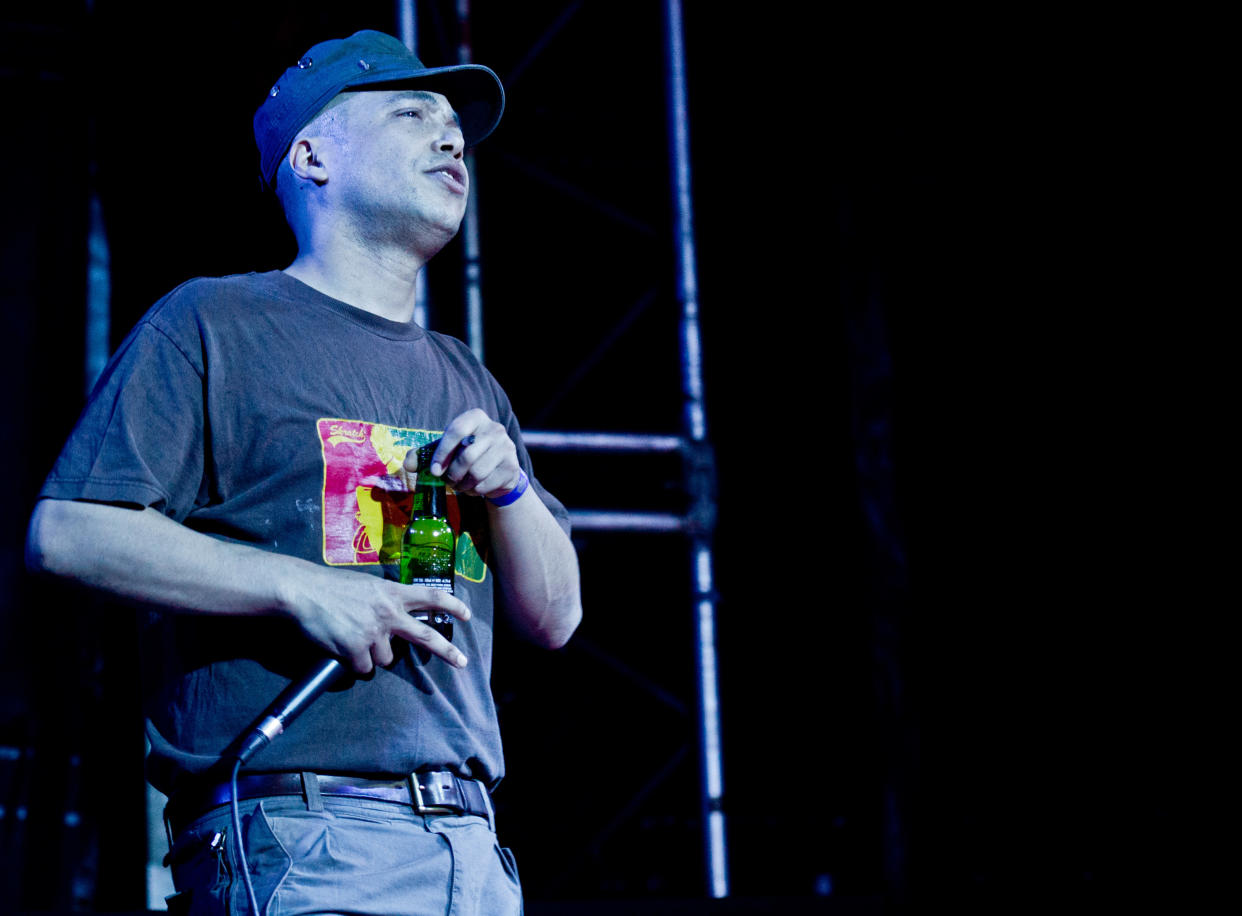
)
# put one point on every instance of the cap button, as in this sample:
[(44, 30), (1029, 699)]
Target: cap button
[(305, 63)]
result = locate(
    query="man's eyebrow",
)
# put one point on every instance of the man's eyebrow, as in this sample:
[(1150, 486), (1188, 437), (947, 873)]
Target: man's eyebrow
[(405, 96)]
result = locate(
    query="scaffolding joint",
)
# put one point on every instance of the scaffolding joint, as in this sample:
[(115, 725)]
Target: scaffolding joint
[(699, 471)]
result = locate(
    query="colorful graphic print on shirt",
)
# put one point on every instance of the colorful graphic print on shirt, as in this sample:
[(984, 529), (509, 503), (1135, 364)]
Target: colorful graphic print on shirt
[(367, 496)]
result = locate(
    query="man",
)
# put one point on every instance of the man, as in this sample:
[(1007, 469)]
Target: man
[(244, 467)]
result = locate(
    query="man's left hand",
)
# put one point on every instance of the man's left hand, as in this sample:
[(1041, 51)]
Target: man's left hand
[(475, 455)]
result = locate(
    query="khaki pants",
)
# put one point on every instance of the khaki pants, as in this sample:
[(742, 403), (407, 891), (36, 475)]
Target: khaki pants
[(354, 855)]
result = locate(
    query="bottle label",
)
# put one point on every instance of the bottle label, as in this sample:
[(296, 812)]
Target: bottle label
[(444, 585)]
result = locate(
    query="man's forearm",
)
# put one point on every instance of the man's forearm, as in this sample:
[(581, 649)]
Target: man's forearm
[(142, 555), (538, 570)]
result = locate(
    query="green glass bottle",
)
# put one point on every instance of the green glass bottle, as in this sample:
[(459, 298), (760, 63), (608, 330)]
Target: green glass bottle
[(428, 547)]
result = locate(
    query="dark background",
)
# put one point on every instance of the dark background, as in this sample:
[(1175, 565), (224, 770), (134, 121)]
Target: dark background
[(955, 318)]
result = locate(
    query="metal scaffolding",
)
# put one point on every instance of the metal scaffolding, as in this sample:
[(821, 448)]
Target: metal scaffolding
[(698, 522)]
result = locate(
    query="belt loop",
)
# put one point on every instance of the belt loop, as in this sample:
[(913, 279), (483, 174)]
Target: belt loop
[(487, 803), (310, 790)]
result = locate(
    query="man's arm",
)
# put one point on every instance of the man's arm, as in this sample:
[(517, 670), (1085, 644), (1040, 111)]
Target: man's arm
[(536, 563), (142, 555), (538, 570)]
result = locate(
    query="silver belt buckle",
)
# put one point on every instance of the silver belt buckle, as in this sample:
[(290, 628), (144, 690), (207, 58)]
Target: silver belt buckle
[(420, 804)]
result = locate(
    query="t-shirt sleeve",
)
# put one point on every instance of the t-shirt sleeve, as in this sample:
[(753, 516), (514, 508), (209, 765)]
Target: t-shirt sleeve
[(140, 438)]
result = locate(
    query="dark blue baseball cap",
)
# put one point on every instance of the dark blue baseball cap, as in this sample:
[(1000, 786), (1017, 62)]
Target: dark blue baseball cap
[(368, 60)]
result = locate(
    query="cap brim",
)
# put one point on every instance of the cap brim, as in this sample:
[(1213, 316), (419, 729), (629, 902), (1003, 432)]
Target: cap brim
[(474, 91)]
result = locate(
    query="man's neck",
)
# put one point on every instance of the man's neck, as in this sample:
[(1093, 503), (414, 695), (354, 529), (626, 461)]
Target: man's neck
[(378, 282)]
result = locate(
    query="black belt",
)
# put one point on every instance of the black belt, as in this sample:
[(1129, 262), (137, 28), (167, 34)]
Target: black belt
[(432, 792)]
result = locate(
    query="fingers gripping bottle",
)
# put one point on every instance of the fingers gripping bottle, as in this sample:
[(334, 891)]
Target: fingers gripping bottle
[(428, 547)]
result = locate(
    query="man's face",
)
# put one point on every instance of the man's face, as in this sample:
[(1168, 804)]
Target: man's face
[(398, 165)]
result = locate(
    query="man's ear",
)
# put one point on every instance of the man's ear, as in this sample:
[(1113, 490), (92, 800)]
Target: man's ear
[(305, 161)]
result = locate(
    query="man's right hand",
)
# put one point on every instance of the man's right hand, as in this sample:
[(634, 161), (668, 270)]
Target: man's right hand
[(356, 616)]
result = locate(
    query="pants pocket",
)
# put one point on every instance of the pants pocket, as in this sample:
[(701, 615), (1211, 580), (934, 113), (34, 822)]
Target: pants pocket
[(206, 866), (268, 860), (202, 872), (509, 865)]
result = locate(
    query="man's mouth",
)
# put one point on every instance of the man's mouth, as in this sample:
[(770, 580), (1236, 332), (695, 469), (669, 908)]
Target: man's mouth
[(453, 174)]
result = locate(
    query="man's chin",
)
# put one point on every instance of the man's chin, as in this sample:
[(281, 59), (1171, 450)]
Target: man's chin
[(432, 237)]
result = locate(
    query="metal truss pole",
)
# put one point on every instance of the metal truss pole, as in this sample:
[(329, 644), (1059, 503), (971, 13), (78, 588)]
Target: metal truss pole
[(698, 459), (695, 423), (470, 228), (699, 522), (98, 294), (407, 30)]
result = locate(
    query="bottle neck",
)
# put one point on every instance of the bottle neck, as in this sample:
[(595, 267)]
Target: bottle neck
[(430, 500), (425, 452)]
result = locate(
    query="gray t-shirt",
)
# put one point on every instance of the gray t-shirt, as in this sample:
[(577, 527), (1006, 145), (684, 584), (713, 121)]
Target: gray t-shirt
[(256, 410)]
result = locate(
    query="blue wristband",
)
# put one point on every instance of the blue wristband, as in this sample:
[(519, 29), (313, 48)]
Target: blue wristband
[(512, 495)]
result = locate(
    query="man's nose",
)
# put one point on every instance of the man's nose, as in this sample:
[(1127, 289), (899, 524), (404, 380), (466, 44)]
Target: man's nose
[(451, 141)]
